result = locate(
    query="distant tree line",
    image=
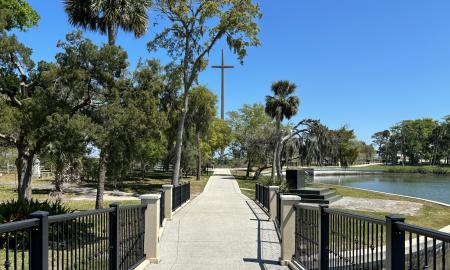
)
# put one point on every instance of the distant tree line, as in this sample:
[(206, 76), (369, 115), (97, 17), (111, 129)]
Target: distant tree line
[(414, 142)]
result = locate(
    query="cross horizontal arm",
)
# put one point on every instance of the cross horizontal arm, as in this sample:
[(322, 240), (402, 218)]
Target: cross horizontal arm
[(222, 66)]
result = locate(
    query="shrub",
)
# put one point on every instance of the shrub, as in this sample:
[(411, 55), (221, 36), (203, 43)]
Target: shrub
[(17, 210)]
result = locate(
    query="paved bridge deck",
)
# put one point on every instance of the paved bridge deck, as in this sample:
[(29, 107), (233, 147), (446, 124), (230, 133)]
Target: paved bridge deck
[(220, 229)]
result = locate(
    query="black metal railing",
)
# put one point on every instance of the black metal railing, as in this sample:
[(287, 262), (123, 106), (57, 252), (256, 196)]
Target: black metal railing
[(262, 195), (180, 195), (424, 248), (278, 214), (109, 238), (355, 241), (162, 215), (15, 244), (334, 239), (131, 235), (307, 237), (79, 240)]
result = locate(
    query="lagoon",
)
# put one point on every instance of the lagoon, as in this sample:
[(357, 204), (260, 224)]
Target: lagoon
[(436, 188)]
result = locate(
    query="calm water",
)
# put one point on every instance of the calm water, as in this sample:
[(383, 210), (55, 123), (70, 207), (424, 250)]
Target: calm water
[(436, 188)]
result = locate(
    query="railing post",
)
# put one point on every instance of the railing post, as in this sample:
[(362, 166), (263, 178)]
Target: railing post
[(395, 243), (273, 202), (39, 242), (151, 237), (182, 188), (287, 227), (324, 226), (168, 193), (114, 236), (189, 191)]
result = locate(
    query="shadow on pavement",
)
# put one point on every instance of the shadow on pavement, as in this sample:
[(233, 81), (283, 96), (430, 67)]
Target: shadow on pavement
[(261, 217)]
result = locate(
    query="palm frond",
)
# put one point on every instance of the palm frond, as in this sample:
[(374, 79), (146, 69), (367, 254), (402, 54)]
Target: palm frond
[(282, 103), (97, 15)]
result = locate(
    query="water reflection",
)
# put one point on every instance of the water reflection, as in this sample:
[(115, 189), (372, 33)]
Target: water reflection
[(435, 188)]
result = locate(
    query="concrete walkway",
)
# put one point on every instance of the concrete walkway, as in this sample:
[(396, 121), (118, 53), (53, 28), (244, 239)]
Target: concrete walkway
[(220, 229)]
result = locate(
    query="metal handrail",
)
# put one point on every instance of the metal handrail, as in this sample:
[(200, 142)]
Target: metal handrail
[(69, 216), (438, 235), (19, 225), (133, 206), (344, 213)]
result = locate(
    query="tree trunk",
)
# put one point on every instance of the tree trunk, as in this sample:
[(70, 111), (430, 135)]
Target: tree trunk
[(111, 35), (59, 182), (249, 167), (278, 168), (24, 164), (102, 167), (258, 172), (199, 157), (59, 178), (277, 152), (143, 169), (433, 162), (179, 144), (274, 164)]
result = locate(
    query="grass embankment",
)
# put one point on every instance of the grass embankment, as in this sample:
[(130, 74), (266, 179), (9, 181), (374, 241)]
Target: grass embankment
[(247, 185), (431, 215), (151, 183), (425, 169)]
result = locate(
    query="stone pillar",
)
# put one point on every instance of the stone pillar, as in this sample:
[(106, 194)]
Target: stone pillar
[(273, 201), (287, 227), (168, 193), (151, 238)]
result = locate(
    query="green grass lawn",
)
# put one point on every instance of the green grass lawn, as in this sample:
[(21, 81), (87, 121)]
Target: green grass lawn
[(8, 187), (247, 185), (424, 169)]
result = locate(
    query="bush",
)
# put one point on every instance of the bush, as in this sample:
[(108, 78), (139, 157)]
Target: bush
[(17, 210)]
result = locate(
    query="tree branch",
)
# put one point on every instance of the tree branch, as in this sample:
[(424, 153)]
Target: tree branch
[(200, 57), (8, 138), (84, 103), (19, 67), (15, 101)]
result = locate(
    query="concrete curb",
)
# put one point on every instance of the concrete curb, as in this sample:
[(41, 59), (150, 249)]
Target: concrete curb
[(393, 194), (142, 265)]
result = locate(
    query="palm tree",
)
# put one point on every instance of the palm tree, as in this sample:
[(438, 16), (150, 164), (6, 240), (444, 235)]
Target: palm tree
[(282, 105), (107, 16)]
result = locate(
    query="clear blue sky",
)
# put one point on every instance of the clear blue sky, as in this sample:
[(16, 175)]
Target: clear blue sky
[(367, 64)]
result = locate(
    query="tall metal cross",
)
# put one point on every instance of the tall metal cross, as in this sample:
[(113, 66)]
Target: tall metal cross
[(222, 67)]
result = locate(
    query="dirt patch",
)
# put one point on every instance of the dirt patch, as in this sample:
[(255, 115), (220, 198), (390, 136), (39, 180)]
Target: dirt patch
[(378, 205), (89, 194)]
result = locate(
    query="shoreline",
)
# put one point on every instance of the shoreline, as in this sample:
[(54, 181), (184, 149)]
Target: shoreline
[(390, 194)]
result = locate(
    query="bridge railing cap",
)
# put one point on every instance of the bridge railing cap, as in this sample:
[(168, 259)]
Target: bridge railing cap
[(290, 198), (155, 196)]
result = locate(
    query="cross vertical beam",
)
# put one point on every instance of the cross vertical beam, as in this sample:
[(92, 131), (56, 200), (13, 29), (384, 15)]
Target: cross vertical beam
[(222, 94)]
